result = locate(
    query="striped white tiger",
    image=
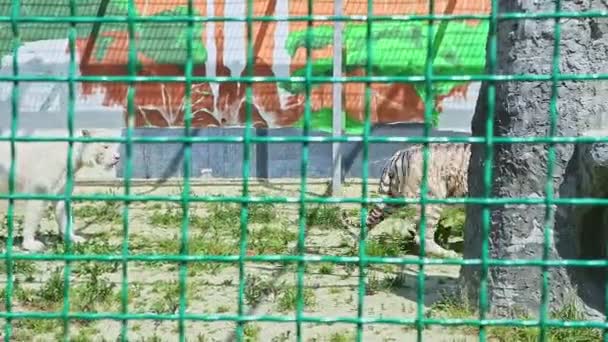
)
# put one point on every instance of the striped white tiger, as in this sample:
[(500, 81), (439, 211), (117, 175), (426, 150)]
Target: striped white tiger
[(402, 177)]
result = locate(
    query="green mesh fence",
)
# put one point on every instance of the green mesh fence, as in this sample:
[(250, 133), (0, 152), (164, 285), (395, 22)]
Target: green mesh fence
[(14, 21)]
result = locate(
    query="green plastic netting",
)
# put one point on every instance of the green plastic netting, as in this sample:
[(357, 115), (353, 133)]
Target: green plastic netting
[(429, 68)]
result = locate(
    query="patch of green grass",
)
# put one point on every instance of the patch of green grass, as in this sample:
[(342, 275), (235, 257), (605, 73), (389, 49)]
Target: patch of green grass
[(225, 217), (17, 224), (171, 217), (92, 247), (166, 296), (134, 293), (326, 268), (50, 294), (256, 288), (566, 313), (100, 212), (450, 225), (376, 283), (335, 290), (388, 245), (94, 292), (287, 300), (342, 336), (168, 217), (24, 295), (325, 216), (406, 213), (282, 337), (251, 332), (91, 292), (84, 334), (451, 306), (153, 338), (569, 312), (271, 239), (262, 213), (222, 309), (27, 268), (201, 337), (213, 245), (28, 329), (221, 217)]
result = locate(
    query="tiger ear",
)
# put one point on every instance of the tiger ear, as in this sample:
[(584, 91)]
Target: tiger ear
[(86, 133)]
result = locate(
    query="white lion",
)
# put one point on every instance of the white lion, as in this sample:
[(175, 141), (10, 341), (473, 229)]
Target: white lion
[(41, 168)]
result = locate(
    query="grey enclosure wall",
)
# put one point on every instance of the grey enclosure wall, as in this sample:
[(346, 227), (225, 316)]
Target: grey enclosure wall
[(268, 160)]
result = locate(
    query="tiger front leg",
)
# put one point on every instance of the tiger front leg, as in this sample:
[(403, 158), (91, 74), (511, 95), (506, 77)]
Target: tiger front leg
[(432, 248), (62, 219), (34, 210)]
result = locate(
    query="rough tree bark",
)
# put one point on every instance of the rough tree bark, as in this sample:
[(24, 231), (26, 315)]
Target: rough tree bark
[(522, 110)]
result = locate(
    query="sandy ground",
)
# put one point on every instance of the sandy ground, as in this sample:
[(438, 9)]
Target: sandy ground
[(213, 290)]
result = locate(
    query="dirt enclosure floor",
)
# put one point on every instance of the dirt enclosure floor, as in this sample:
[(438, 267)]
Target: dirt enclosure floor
[(154, 228)]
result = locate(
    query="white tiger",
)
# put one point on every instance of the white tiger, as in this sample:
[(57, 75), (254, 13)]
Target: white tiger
[(41, 168), (402, 176)]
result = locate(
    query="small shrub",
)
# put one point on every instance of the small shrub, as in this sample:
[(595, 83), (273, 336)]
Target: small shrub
[(93, 290), (23, 295), (172, 216), (28, 329), (341, 337), (325, 217), (251, 332), (282, 337), (100, 212), (326, 268), (388, 245), (287, 301), (84, 334), (256, 288), (450, 225), (224, 216), (569, 312), (451, 306), (95, 246), (376, 284), (406, 213), (169, 217), (167, 297), (202, 338), (222, 309), (271, 240), (26, 268), (51, 292), (214, 245), (262, 213), (17, 224)]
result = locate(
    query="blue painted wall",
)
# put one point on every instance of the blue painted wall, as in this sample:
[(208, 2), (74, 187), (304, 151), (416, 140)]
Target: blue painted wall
[(268, 160)]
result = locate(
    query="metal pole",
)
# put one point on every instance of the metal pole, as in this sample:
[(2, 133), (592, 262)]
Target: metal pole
[(336, 180), (101, 11)]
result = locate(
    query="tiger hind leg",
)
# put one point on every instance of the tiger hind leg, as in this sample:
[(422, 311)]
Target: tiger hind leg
[(432, 248), (375, 215)]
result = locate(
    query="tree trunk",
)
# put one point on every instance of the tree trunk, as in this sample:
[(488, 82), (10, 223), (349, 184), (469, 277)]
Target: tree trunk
[(520, 170)]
